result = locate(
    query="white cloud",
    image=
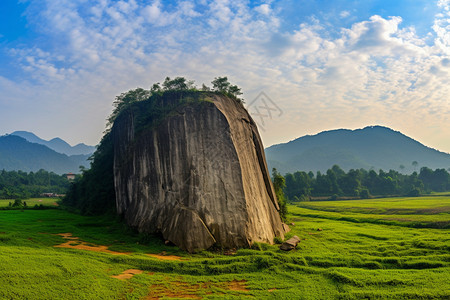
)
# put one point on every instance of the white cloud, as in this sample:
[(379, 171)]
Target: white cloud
[(375, 71), (344, 14), (187, 9), (264, 9), (442, 27)]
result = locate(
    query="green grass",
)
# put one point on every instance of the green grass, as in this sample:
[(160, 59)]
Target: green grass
[(32, 202), (428, 212), (360, 253)]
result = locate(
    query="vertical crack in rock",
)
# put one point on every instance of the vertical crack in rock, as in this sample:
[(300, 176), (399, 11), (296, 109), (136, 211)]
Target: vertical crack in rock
[(263, 166), (198, 175)]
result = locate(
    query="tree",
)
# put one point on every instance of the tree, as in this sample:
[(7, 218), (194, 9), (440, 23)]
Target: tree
[(156, 88), (415, 164), (93, 193), (364, 194), (304, 183), (322, 185), (22, 185), (298, 185), (220, 84), (333, 180), (125, 99), (177, 84), (234, 90), (279, 184), (350, 183), (389, 185), (291, 190), (438, 180), (17, 203)]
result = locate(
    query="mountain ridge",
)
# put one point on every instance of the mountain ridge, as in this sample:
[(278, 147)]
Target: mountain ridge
[(57, 144), (373, 147), (16, 153)]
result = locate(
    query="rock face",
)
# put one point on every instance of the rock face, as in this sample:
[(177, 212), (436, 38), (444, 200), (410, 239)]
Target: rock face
[(198, 175)]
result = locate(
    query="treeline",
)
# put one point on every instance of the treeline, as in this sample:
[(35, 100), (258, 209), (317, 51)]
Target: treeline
[(300, 186), (93, 192), (23, 185)]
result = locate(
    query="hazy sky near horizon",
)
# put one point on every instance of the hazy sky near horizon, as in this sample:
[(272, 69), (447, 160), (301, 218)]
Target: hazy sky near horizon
[(325, 64)]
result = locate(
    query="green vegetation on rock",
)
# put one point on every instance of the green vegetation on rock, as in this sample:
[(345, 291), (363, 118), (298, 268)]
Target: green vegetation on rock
[(180, 88)]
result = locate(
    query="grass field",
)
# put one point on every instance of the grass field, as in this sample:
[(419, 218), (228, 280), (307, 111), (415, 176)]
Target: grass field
[(32, 202), (366, 249), (423, 212)]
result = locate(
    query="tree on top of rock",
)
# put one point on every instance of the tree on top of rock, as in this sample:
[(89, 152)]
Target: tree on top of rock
[(222, 85), (177, 84), (125, 99)]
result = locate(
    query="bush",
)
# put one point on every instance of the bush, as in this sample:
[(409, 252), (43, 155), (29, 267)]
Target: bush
[(414, 193), (39, 207), (364, 194), (17, 203)]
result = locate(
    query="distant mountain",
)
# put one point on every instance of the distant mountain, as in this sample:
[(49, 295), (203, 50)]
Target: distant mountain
[(57, 144), (16, 153), (373, 147)]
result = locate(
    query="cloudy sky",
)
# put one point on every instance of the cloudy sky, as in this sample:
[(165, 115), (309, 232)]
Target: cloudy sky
[(321, 64)]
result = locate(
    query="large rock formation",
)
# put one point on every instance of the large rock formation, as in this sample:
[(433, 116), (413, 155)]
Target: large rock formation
[(198, 175)]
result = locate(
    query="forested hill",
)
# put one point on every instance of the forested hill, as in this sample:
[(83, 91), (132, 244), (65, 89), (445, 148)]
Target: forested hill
[(16, 153), (57, 144), (373, 147)]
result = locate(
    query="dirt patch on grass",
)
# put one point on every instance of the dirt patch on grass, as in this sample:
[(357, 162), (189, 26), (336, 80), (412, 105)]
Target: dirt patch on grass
[(185, 290), (67, 236), (76, 243), (127, 274), (164, 256), (176, 289), (237, 285)]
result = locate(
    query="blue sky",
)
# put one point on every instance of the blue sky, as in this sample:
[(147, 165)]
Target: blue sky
[(326, 64)]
